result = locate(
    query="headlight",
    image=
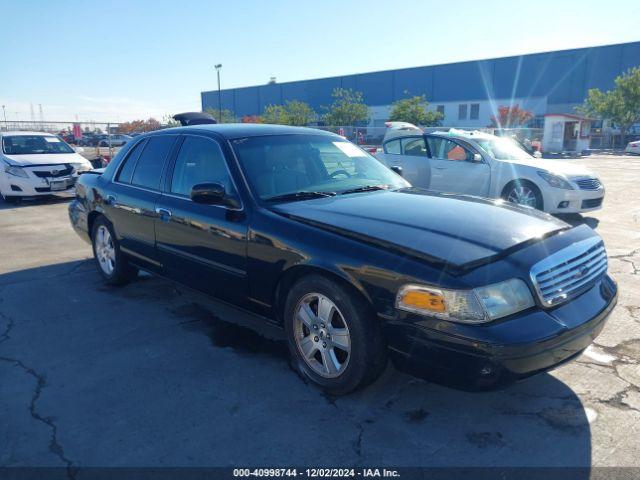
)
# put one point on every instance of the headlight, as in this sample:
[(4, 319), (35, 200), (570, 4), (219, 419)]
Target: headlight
[(15, 171), (479, 305), (80, 167), (555, 181)]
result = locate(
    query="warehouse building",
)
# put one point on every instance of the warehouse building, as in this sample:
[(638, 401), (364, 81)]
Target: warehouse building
[(467, 93)]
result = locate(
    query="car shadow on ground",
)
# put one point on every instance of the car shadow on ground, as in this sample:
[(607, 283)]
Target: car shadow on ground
[(575, 219), (35, 201), (157, 376)]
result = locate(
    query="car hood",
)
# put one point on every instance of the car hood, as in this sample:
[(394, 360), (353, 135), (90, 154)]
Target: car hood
[(44, 159), (557, 167), (451, 229)]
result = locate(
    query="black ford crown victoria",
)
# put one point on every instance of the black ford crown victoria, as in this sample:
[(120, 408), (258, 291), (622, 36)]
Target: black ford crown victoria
[(301, 229)]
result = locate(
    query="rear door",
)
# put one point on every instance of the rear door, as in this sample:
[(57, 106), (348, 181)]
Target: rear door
[(203, 246), (131, 202), (454, 170)]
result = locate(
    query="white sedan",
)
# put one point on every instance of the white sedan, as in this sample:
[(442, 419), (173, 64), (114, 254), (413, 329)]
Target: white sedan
[(484, 165), (633, 147), (37, 163)]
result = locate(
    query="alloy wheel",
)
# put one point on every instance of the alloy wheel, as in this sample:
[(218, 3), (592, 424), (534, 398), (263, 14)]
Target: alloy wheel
[(322, 335), (523, 195), (105, 250)]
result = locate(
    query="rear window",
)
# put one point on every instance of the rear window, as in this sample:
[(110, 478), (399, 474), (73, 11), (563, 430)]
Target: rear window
[(149, 166), (34, 145)]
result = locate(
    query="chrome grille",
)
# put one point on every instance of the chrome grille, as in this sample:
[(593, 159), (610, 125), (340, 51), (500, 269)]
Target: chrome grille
[(570, 271), (54, 172), (589, 184)]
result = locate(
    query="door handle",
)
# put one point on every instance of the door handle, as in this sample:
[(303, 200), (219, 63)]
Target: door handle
[(111, 200), (164, 214), (440, 168)]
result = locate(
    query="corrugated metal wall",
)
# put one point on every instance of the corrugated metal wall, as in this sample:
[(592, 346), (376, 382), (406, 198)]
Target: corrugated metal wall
[(563, 77)]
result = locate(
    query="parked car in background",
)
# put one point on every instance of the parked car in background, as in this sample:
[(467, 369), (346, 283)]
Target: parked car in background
[(91, 139), (633, 147), (303, 231), (484, 165), (36, 163), (116, 140)]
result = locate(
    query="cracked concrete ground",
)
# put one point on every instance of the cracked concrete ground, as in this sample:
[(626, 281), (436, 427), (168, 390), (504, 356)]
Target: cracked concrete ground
[(147, 376)]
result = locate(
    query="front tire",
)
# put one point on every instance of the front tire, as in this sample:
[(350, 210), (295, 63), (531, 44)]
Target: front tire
[(522, 192), (332, 335), (112, 265)]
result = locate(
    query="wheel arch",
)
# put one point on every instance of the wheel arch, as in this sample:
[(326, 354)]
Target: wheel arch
[(523, 181), (293, 274), (91, 220)]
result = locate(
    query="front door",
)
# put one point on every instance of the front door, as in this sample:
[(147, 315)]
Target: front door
[(453, 169), (203, 246), (416, 168)]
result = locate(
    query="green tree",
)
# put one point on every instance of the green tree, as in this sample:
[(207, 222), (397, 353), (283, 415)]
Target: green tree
[(620, 105), (169, 122), (293, 112), (414, 110), (227, 115), (299, 113), (275, 114), (348, 108)]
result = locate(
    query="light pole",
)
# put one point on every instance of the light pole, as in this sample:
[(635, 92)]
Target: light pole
[(218, 67), (4, 112)]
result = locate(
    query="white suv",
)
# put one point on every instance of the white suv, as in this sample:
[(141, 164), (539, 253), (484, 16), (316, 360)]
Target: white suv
[(37, 163), (484, 165)]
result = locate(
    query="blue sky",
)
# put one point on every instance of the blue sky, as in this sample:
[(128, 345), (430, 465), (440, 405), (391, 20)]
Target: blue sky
[(117, 60)]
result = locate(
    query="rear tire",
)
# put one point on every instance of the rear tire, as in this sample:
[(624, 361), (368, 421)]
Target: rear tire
[(332, 335), (113, 265)]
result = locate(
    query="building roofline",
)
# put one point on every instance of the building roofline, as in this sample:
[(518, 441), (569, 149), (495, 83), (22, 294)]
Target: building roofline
[(546, 52)]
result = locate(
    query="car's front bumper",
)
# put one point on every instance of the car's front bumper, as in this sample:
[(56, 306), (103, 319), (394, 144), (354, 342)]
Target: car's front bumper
[(535, 341), (559, 200), (36, 186)]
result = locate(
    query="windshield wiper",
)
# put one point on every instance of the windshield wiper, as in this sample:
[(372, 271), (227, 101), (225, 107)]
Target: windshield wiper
[(366, 188), (300, 196)]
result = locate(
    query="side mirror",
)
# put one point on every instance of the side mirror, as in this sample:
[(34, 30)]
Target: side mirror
[(78, 149), (397, 169), (537, 154), (477, 158), (211, 194)]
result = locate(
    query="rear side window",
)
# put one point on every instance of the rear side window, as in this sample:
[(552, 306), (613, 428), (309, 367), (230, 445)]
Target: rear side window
[(149, 167), (126, 172)]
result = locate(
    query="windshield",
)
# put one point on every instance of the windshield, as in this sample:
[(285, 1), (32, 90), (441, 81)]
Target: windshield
[(33, 144), (503, 149), (286, 164)]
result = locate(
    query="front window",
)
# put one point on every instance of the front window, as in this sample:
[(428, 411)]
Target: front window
[(288, 164), (445, 149), (34, 145), (503, 149)]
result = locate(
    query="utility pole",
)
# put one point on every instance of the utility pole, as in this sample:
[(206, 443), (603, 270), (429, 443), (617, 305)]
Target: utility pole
[(218, 67), (4, 112)]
